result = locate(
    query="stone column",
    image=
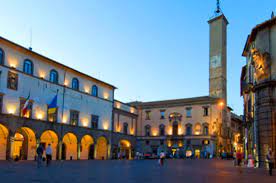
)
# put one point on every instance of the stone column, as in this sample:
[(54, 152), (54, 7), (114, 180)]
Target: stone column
[(79, 151), (9, 150), (59, 149)]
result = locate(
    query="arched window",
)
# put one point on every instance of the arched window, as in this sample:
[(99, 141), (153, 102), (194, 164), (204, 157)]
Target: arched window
[(2, 56), (75, 84), (94, 90), (28, 67), (188, 129), (205, 129), (175, 128), (162, 130), (147, 130), (54, 76), (125, 128), (197, 129)]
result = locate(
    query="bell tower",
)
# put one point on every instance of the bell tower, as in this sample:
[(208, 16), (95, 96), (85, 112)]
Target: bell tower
[(218, 55)]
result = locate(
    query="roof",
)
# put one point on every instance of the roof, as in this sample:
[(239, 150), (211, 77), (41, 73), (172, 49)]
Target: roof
[(218, 17), (255, 31), (53, 61), (176, 102)]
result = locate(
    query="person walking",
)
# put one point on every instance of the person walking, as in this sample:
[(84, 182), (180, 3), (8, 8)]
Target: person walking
[(270, 158), (49, 152), (162, 158), (39, 152)]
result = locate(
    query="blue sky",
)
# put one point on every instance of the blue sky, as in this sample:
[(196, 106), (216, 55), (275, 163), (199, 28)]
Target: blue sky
[(149, 49)]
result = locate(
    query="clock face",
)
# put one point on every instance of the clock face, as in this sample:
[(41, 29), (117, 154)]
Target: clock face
[(215, 61)]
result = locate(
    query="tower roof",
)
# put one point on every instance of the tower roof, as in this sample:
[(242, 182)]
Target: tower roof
[(219, 17)]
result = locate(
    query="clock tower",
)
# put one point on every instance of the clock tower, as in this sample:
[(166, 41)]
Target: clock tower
[(218, 56)]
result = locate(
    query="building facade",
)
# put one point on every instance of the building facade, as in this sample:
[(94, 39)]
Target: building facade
[(258, 90), (45, 102), (81, 126)]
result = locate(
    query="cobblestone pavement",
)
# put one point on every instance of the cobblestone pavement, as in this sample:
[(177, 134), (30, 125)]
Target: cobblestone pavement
[(136, 171)]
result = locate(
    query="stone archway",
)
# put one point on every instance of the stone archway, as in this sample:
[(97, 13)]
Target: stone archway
[(124, 149), (23, 145), (50, 137), (70, 146), (87, 148), (101, 148), (4, 134)]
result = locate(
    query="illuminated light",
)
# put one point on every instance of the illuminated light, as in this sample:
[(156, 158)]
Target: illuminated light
[(180, 132), (105, 126), (86, 90), (118, 128), (65, 83), (11, 109), (106, 95), (169, 131), (42, 74), (39, 116), (85, 122), (132, 131), (197, 133), (132, 110), (118, 105), (154, 133), (180, 144), (221, 104), (169, 143), (64, 119)]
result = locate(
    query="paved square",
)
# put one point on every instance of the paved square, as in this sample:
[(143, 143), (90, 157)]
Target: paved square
[(142, 171)]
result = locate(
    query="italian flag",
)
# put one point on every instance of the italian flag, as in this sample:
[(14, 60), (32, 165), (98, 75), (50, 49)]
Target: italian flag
[(26, 105)]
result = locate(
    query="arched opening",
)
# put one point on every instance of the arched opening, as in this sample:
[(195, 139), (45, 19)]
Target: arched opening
[(197, 129), (124, 149), (87, 148), (101, 149), (23, 145), (69, 147), (4, 133), (50, 137), (175, 128)]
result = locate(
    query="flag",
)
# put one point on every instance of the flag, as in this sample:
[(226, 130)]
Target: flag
[(52, 107), (26, 106)]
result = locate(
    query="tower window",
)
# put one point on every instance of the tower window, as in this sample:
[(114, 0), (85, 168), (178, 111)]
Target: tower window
[(148, 115), (125, 128), (189, 112), (94, 91), (205, 111), (162, 114), (12, 81), (2, 57), (74, 117)]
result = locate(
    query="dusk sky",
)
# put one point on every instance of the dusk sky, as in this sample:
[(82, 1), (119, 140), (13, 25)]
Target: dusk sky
[(149, 49)]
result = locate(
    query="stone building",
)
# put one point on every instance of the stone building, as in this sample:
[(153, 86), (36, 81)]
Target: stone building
[(258, 80), (81, 127), (193, 126)]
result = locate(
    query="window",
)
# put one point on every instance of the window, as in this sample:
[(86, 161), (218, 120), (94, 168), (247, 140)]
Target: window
[(147, 130), (205, 130), (197, 129), (94, 91), (28, 67), (52, 116), (74, 117), (94, 121), (147, 115), (205, 111), (189, 129), (162, 130), (162, 114), (161, 142), (12, 81), (28, 113), (2, 56), (147, 142), (125, 128), (54, 76), (189, 112), (1, 103), (75, 84)]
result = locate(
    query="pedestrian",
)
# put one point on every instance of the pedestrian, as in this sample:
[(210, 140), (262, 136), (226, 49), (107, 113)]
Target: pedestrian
[(49, 152), (239, 160), (162, 158), (269, 158), (250, 163), (39, 152)]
